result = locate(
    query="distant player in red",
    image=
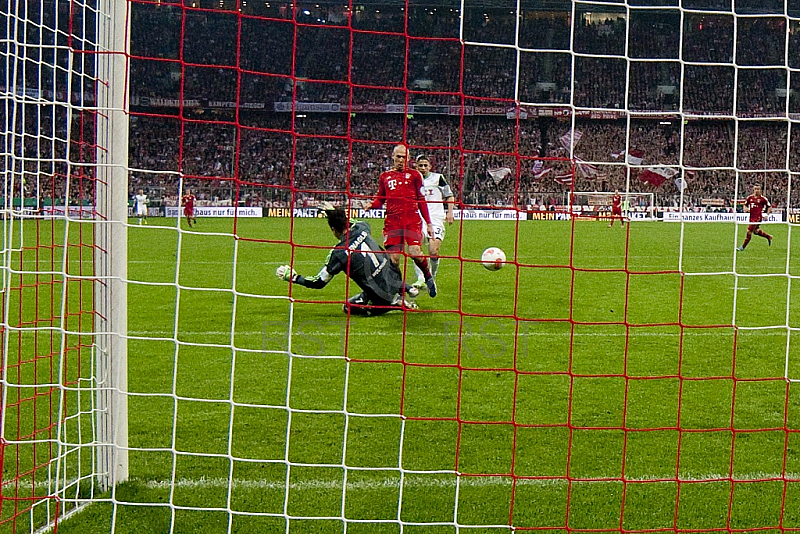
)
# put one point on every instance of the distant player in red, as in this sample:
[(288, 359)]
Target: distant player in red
[(616, 209), (188, 207), (401, 190), (757, 205)]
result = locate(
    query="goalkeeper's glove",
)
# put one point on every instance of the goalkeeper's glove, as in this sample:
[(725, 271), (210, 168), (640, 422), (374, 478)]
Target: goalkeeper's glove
[(285, 273)]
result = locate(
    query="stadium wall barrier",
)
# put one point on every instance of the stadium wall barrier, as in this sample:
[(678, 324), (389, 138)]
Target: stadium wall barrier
[(469, 214), (217, 211), (582, 214), (75, 212), (490, 215), (151, 211), (690, 216), (302, 213)]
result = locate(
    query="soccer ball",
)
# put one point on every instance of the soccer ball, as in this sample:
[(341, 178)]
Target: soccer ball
[(493, 258)]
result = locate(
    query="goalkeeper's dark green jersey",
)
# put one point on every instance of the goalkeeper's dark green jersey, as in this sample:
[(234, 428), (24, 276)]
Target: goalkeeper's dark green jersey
[(364, 261)]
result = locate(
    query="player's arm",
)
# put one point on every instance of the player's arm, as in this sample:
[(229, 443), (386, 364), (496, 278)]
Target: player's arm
[(379, 200), (449, 200), (331, 268)]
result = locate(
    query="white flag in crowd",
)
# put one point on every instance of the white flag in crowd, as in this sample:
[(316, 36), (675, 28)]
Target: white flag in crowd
[(681, 183), (564, 179), (498, 174), (657, 175), (538, 170), (586, 170), (567, 139), (634, 156)]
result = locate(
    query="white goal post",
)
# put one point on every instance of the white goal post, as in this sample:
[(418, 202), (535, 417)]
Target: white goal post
[(63, 263), (635, 205), (111, 237)]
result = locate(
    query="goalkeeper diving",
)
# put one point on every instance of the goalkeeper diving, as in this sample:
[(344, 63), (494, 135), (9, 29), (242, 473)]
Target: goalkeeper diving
[(365, 262)]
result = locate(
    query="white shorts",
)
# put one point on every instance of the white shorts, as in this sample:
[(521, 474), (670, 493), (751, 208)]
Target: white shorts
[(141, 211), (438, 229)]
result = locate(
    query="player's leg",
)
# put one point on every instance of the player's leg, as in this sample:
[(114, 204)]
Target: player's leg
[(370, 305), (765, 235), (393, 243), (434, 245), (420, 283), (750, 229), (357, 305), (415, 251), (412, 236), (395, 252)]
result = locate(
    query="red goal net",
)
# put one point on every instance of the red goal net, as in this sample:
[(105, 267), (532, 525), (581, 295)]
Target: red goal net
[(631, 372)]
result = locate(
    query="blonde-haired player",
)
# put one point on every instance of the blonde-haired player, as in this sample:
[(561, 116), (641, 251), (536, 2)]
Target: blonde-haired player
[(440, 201)]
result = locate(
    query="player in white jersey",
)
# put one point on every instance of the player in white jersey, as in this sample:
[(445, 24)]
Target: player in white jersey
[(140, 206), (440, 201)]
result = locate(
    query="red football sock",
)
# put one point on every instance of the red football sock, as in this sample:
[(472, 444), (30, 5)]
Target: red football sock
[(422, 263)]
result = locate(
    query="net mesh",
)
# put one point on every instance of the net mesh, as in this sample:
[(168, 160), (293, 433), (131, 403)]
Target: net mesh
[(641, 380), (47, 260)]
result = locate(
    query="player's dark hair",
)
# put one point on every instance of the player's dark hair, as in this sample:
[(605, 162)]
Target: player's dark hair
[(338, 219), (423, 156)]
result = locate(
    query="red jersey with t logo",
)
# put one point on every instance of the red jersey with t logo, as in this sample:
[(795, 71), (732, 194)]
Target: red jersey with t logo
[(757, 206), (401, 191)]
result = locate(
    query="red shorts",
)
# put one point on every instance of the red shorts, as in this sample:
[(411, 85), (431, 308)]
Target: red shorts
[(616, 211), (188, 212), (395, 234), (753, 227)]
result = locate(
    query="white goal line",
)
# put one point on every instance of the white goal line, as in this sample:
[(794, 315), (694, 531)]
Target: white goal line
[(413, 479), (635, 331)]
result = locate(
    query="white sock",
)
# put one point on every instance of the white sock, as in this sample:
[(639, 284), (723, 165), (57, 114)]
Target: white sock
[(420, 275), (434, 266)]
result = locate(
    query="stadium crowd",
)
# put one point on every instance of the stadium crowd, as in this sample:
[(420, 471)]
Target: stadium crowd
[(227, 71), (320, 156), (198, 57)]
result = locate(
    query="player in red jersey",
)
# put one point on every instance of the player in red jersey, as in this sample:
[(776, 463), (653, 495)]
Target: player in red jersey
[(401, 190), (188, 207), (756, 204), (616, 209)]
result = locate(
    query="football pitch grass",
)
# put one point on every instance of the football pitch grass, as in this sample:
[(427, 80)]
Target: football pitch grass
[(617, 392)]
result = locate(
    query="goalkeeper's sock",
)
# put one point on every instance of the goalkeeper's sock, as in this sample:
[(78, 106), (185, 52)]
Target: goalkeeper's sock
[(434, 266)]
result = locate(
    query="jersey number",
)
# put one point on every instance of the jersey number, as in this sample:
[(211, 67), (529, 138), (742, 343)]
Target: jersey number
[(367, 253)]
